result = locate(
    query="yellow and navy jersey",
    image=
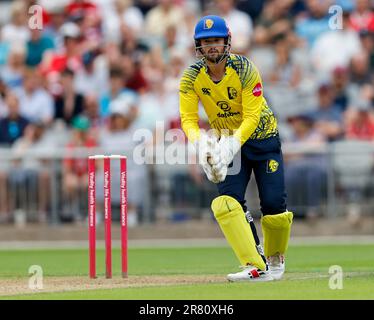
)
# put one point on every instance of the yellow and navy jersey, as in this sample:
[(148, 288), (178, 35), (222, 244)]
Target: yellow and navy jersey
[(236, 103)]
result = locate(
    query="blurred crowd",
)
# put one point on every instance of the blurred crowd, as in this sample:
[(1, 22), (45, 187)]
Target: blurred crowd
[(98, 70)]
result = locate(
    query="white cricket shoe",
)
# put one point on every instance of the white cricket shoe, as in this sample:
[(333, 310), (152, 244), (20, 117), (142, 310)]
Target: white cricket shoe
[(277, 266), (250, 273)]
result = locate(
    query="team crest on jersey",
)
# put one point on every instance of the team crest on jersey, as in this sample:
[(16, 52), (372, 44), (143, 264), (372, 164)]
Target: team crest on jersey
[(224, 106), (208, 24), (232, 93), (272, 166), (206, 91)]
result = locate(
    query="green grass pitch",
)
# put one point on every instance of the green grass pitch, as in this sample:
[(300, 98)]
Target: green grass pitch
[(307, 274)]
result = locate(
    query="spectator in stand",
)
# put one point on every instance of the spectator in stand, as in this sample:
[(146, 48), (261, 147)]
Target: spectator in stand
[(158, 103), (36, 104), (3, 90), (117, 90), (134, 71), (252, 7), (328, 119), (92, 78), (275, 19), (240, 23), (362, 18), (68, 56), (36, 47), (17, 33), (340, 82), (163, 15), (27, 171), (91, 109), (146, 5), (367, 43), (56, 14), (171, 89), (74, 170), (4, 50), (360, 124), (89, 24), (360, 70), (285, 71), (153, 104), (13, 125), (361, 80), (335, 48), (130, 15), (130, 44), (70, 103), (118, 137), (77, 7), (170, 44), (314, 23), (305, 173), (12, 72)]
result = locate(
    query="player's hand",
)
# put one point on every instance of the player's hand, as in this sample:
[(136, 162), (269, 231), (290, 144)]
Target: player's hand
[(229, 147), (209, 156), (210, 172), (224, 153), (217, 169)]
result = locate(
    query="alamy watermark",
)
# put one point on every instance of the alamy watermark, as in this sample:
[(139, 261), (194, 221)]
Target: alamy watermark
[(162, 146), (336, 19), (36, 279), (336, 278), (36, 19)]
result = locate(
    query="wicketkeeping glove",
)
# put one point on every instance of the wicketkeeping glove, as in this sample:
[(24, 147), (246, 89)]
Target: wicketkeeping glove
[(229, 147), (209, 156)]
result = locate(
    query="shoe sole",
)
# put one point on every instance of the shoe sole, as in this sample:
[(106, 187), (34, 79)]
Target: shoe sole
[(259, 279), (277, 277)]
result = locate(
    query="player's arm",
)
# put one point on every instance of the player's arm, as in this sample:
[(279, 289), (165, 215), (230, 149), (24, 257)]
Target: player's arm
[(252, 99), (189, 110)]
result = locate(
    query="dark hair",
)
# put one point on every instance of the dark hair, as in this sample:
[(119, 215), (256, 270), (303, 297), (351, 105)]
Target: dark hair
[(116, 72), (279, 37), (67, 72)]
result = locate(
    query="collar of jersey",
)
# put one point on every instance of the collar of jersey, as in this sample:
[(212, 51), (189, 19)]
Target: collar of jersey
[(228, 63)]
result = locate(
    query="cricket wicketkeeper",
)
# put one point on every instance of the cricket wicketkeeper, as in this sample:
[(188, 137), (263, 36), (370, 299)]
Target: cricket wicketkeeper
[(245, 129)]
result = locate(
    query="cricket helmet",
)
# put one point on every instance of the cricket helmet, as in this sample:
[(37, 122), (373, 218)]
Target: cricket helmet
[(212, 26)]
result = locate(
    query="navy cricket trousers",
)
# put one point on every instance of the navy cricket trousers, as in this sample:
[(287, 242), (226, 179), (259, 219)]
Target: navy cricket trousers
[(263, 158)]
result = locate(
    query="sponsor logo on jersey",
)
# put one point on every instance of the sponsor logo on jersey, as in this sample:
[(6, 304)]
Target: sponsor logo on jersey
[(206, 91), (257, 90), (224, 105), (228, 114)]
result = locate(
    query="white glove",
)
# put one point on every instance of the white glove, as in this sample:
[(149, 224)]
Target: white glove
[(216, 167), (208, 155), (219, 169), (229, 147), (219, 156)]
